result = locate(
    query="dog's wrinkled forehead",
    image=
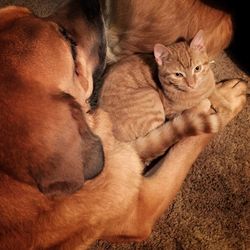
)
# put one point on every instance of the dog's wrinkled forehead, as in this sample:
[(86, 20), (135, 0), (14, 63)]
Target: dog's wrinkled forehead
[(31, 35), (11, 14), (39, 51), (19, 24)]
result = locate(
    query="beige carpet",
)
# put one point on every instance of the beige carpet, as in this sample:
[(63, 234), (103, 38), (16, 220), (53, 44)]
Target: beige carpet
[(212, 210)]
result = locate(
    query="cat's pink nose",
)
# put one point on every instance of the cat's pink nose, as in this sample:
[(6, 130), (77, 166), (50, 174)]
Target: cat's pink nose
[(192, 84)]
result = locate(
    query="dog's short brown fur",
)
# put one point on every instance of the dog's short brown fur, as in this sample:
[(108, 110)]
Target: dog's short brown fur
[(136, 25), (47, 149)]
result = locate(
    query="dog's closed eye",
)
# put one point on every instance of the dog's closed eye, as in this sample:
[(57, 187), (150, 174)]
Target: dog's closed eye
[(73, 44)]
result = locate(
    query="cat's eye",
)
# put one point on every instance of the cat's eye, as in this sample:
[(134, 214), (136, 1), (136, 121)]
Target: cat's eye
[(197, 69), (178, 74)]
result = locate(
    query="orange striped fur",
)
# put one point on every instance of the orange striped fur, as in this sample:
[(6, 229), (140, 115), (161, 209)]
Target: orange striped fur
[(136, 25)]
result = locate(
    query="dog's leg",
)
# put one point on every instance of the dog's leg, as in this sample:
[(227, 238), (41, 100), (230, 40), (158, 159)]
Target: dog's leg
[(158, 190)]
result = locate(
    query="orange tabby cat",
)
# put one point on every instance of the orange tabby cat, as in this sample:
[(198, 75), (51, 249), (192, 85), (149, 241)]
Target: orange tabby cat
[(184, 73), (136, 25), (139, 96)]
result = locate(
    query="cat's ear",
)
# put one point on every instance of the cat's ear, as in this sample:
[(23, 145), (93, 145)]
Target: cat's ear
[(198, 42), (160, 51)]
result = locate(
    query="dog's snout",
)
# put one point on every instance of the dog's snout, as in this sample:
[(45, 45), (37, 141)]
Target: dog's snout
[(94, 161)]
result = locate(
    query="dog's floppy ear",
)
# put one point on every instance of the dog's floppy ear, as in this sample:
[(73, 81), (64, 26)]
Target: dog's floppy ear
[(61, 171), (61, 176), (74, 154)]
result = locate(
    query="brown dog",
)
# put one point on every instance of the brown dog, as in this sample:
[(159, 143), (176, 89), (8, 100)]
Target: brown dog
[(47, 149)]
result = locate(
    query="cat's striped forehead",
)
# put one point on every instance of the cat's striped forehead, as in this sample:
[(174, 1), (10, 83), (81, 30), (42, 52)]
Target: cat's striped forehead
[(182, 54)]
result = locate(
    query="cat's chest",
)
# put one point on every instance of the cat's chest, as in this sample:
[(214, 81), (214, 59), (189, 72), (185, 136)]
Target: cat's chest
[(178, 102)]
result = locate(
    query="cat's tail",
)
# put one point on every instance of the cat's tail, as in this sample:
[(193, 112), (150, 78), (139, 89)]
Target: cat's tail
[(192, 122)]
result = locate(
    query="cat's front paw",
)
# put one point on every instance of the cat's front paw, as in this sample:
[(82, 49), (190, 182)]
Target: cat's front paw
[(229, 99), (201, 119)]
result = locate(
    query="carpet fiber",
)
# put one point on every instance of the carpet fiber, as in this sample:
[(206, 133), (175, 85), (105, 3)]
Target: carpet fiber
[(212, 209)]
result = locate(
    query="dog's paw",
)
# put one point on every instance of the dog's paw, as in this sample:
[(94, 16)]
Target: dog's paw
[(229, 99)]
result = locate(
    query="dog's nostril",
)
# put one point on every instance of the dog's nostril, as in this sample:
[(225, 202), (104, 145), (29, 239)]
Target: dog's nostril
[(94, 161)]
